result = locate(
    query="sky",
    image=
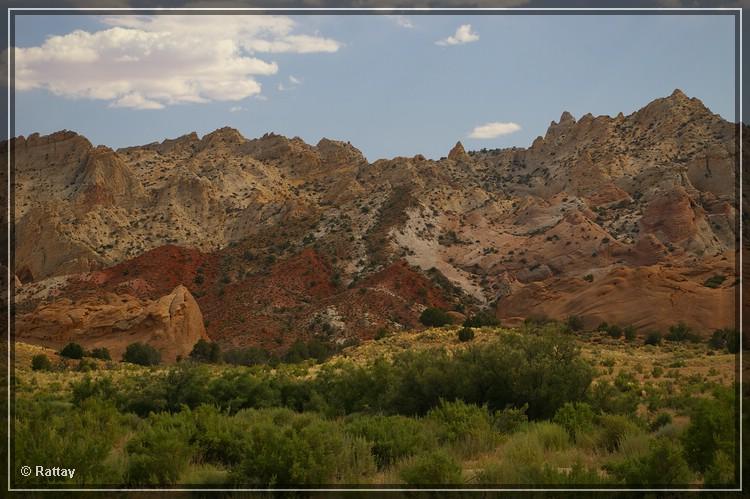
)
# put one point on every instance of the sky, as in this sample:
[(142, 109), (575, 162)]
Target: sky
[(390, 85)]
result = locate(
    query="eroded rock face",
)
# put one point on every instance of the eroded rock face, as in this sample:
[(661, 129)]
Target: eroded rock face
[(172, 324), (514, 226)]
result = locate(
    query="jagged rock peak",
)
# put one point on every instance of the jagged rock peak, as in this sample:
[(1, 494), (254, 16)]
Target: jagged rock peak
[(566, 118), (224, 133), (458, 152)]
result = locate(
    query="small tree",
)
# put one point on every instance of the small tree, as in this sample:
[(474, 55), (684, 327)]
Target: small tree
[(40, 363), (100, 353), (653, 338), (141, 354), (72, 351), (465, 334), (630, 333), (435, 317), (206, 351), (574, 323), (614, 331), (483, 318)]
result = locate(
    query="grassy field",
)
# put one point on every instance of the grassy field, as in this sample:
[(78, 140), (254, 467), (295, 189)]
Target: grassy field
[(402, 410)]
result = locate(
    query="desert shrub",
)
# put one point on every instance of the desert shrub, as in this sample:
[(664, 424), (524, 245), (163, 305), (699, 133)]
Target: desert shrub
[(434, 468), (657, 371), (50, 432), (614, 331), (309, 451), (435, 317), (206, 351), (681, 332), (662, 419), (725, 338), (381, 333), (72, 351), (312, 349), (605, 397), (86, 365), (458, 420), (614, 428), (575, 417), (247, 356), (574, 323), (162, 451), (722, 472), (552, 436), (219, 437), (652, 338), (465, 334), (482, 319), (392, 437), (711, 429), (714, 281), (510, 419), (588, 278), (41, 362), (141, 354), (100, 353), (663, 465), (630, 333)]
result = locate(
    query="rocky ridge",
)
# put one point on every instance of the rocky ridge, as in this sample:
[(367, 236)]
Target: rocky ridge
[(313, 240)]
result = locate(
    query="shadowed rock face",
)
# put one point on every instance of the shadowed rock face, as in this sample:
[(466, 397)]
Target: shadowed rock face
[(172, 324), (648, 194)]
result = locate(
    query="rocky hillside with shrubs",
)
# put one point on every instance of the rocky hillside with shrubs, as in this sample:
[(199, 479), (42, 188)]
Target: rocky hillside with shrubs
[(629, 220)]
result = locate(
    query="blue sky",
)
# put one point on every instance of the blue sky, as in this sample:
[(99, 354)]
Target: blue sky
[(392, 86)]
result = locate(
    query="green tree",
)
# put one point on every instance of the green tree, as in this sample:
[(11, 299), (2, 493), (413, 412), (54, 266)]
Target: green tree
[(141, 354), (100, 353), (72, 351), (465, 334), (435, 317), (435, 468), (206, 351), (40, 362)]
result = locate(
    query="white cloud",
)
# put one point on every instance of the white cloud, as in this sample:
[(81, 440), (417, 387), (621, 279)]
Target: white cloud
[(236, 109), (294, 80), (151, 62), (401, 21), (463, 34), (492, 130)]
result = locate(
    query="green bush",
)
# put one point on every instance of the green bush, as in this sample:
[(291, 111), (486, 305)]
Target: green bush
[(482, 319), (715, 281), (206, 351), (141, 354), (392, 437), (435, 317), (662, 419), (614, 331), (160, 453), (614, 428), (458, 420), (711, 430), (465, 334), (308, 451), (725, 338), (434, 468), (652, 338), (681, 332), (574, 323), (72, 351), (722, 472), (630, 333), (100, 353), (510, 419), (247, 356), (575, 417), (41, 362), (663, 465)]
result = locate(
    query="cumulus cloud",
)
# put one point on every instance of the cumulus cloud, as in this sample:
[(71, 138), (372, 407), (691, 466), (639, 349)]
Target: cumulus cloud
[(463, 34), (492, 130), (144, 62)]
